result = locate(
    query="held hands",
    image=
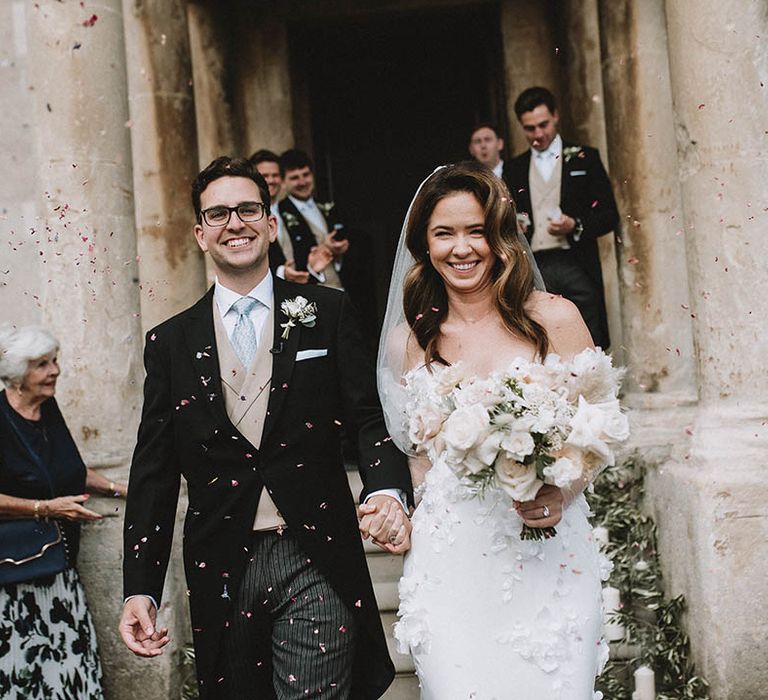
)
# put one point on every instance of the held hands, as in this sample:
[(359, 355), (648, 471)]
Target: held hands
[(546, 510), (69, 508), (383, 519), (137, 628)]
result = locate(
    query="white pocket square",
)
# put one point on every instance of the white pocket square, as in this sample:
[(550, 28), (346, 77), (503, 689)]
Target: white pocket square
[(310, 354), (574, 173)]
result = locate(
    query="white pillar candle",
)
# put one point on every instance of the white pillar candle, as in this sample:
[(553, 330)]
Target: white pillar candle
[(614, 631), (600, 534), (645, 684)]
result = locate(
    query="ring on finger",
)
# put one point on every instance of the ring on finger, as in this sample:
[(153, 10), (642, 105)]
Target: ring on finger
[(545, 511)]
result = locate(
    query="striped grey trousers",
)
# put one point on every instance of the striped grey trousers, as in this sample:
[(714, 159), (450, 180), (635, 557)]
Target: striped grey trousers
[(292, 636)]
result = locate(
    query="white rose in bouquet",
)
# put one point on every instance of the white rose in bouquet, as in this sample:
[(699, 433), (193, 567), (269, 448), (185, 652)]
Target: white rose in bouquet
[(562, 472), (517, 479), (587, 430), (616, 424), (517, 445), (464, 429), (488, 449), (487, 393), (449, 378), (424, 424)]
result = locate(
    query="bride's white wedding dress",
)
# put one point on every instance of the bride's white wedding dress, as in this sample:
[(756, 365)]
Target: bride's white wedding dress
[(488, 616)]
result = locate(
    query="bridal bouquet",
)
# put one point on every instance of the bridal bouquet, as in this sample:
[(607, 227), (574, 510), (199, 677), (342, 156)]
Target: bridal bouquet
[(533, 423)]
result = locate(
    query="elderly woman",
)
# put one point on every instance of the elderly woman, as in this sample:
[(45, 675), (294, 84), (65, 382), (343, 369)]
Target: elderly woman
[(47, 639)]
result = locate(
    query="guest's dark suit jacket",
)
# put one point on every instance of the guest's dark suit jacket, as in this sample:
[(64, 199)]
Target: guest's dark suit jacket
[(585, 194), (185, 431), (356, 273)]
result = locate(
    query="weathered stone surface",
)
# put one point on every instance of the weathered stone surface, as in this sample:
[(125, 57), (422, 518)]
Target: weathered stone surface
[(711, 505), (656, 314), (84, 199), (583, 121), (529, 56), (164, 147)]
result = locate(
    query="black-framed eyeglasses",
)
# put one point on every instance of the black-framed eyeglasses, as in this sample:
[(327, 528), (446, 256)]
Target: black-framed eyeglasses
[(247, 212)]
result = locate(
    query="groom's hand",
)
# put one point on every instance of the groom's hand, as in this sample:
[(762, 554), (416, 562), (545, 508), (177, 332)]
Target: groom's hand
[(383, 519), (137, 628)]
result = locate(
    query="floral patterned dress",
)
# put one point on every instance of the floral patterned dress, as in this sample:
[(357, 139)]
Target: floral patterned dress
[(48, 645), (48, 648), (486, 614)]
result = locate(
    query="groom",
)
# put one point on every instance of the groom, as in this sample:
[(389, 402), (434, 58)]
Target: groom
[(245, 396)]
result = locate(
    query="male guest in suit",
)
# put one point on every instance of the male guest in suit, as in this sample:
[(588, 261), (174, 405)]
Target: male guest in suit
[(245, 395), (311, 223), (564, 192), (486, 147), (281, 260)]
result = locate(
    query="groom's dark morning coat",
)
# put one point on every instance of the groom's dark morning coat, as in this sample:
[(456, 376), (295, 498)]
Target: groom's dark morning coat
[(185, 431)]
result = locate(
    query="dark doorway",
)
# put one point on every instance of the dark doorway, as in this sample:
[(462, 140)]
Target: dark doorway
[(388, 98)]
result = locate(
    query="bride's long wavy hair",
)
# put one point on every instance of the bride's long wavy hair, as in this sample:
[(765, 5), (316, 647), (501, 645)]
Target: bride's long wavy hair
[(425, 300)]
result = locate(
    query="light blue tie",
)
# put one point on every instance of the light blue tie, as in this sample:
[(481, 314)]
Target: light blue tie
[(244, 335)]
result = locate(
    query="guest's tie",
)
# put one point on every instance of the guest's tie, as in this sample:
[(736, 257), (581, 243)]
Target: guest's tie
[(244, 335)]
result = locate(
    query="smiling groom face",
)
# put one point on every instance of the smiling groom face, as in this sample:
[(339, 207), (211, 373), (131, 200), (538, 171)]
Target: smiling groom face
[(236, 247)]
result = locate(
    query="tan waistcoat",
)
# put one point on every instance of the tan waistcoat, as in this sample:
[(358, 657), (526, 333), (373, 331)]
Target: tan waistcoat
[(545, 195), (246, 395)]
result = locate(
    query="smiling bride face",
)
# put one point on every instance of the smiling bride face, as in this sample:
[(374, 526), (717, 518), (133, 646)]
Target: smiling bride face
[(457, 244)]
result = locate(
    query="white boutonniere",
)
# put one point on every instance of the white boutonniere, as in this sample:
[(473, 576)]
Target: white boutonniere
[(571, 151), (291, 220), (298, 310), (325, 207)]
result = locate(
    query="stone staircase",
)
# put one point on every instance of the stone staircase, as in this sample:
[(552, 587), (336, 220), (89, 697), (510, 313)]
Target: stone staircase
[(385, 572)]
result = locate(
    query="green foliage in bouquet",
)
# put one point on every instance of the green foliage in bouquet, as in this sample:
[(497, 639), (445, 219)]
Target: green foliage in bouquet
[(653, 624)]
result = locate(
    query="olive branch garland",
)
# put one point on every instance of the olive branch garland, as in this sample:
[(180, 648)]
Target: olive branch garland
[(654, 625)]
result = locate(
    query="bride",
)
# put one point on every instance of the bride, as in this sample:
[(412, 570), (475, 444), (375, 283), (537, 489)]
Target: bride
[(486, 614)]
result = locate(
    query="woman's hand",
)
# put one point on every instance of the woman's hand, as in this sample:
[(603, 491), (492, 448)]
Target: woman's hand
[(68, 508), (546, 510), (383, 519)]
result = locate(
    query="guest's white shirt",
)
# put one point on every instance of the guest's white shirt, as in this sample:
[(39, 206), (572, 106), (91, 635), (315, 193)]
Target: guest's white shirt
[(498, 169), (545, 161), (226, 298), (282, 233), (310, 211)]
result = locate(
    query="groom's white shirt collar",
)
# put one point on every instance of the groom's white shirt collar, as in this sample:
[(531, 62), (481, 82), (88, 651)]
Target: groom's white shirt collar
[(263, 292)]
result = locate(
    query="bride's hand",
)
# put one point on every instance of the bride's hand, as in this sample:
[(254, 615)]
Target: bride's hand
[(545, 510), (383, 519)]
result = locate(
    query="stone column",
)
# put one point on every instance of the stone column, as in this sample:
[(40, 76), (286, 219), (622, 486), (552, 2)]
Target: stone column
[(582, 80), (656, 301), (712, 506), (22, 270), (583, 120), (530, 56), (216, 127), (90, 299), (263, 83), (164, 144)]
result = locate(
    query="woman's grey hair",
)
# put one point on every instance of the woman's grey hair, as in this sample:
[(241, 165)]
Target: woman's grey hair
[(20, 345)]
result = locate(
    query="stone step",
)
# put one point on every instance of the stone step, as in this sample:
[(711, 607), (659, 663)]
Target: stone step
[(386, 595), (404, 687), (403, 662), (384, 566)]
